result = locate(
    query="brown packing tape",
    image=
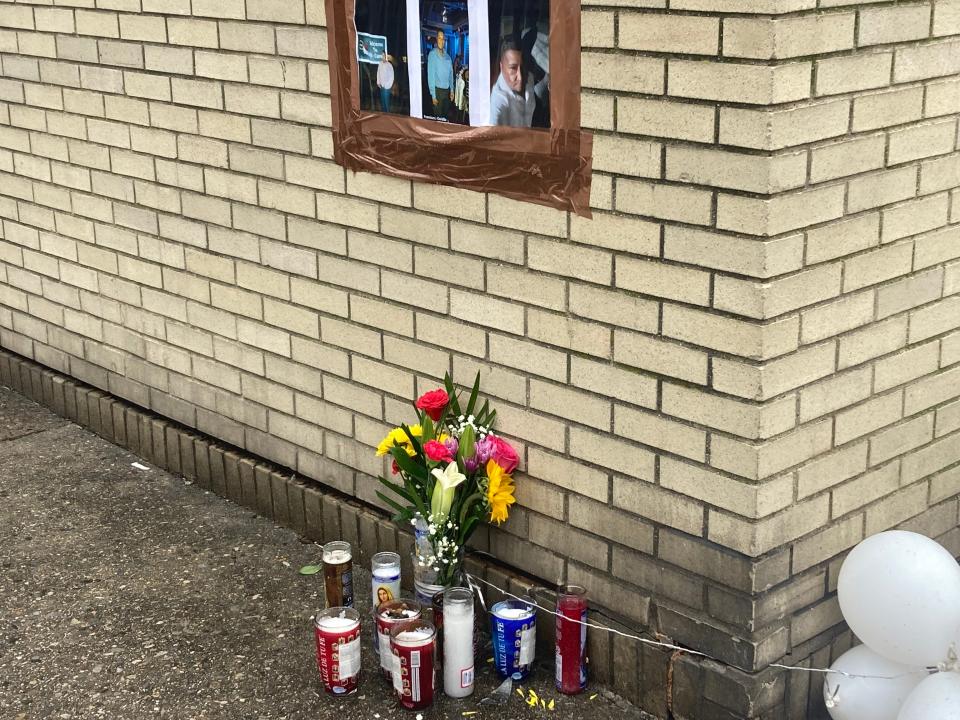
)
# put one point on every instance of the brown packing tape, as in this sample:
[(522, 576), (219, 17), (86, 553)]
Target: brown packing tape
[(550, 167)]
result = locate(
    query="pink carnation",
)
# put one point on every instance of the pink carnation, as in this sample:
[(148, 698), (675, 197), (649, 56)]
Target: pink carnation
[(437, 451), (504, 454)]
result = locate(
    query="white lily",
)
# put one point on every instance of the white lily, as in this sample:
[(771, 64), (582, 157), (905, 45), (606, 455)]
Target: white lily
[(443, 492)]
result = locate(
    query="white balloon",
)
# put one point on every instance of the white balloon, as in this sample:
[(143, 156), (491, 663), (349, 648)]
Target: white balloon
[(873, 698), (900, 594), (936, 698)]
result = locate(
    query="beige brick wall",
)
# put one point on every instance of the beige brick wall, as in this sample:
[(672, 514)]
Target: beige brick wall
[(747, 361)]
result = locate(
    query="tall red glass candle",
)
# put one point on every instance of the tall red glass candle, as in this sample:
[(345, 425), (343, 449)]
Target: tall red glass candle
[(414, 649), (337, 633), (571, 673), (390, 614)]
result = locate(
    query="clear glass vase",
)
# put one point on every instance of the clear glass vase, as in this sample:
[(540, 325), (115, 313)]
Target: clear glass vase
[(428, 579)]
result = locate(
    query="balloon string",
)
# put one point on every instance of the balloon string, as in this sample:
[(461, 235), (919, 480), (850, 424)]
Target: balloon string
[(665, 645)]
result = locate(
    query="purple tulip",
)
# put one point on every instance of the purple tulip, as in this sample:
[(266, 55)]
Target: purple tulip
[(452, 445), (484, 451), (470, 464)]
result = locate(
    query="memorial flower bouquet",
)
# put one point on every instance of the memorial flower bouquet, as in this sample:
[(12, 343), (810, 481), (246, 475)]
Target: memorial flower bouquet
[(454, 472)]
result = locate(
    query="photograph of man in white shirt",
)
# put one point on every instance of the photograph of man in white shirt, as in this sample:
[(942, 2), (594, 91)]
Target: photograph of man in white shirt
[(513, 99), (385, 79)]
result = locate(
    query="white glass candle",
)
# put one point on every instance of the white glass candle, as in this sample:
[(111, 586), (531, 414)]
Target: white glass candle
[(458, 642)]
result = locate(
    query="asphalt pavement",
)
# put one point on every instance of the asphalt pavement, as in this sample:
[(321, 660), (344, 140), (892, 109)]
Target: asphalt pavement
[(128, 592)]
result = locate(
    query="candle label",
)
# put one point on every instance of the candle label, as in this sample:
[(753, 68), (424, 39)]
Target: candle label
[(385, 657), (528, 641), (466, 678), (396, 671), (415, 676), (385, 589), (338, 579), (350, 658), (583, 649)]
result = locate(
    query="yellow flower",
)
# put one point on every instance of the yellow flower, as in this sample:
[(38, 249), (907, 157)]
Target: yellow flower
[(499, 492), (398, 437)]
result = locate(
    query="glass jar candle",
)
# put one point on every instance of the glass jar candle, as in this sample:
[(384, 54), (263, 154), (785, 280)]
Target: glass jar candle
[(513, 626), (385, 569), (458, 642), (338, 573), (413, 645), (389, 615), (571, 674), (337, 632), (385, 584)]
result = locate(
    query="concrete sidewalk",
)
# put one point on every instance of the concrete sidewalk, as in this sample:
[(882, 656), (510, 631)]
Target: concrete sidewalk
[(130, 593)]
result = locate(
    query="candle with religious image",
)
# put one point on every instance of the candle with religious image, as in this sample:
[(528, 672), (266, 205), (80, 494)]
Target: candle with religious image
[(385, 583), (337, 632), (458, 642), (385, 569), (413, 644), (571, 674)]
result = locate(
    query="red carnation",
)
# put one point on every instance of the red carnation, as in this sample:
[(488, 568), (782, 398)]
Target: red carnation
[(394, 468), (437, 451), (433, 403)]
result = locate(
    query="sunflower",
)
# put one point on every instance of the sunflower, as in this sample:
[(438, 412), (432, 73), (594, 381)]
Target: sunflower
[(499, 492), (398, 437)]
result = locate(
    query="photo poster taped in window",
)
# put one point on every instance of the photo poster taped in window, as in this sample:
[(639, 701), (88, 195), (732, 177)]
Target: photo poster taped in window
[(463, 93), (466, 62)]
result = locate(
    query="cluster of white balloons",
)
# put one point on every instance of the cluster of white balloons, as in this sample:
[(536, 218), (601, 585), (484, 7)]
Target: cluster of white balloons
[(900, 594)]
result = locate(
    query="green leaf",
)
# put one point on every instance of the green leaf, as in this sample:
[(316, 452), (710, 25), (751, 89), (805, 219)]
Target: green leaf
[(409, 492), (417, 447), (468, 506), (413, 473), (401, 491), (402, 512), (473, 395), (310, 569), (454, 403), (408, 465), (482, 415), (467, 530), (468, 445), (428, 429)]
